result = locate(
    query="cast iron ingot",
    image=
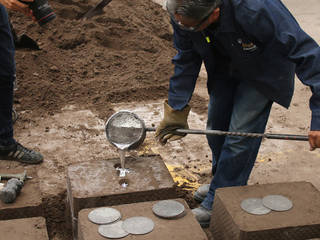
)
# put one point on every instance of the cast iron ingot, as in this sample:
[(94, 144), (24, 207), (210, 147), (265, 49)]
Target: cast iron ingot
[(254, 206), (104, 215), (138, 225), (168, 209), (113, 230), (277, 203)]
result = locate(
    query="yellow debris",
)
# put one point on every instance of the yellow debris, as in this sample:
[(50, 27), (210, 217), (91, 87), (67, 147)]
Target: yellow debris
[(183, 177)]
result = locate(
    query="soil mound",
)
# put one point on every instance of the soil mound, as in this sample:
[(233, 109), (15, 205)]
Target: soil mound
[(121, 55)]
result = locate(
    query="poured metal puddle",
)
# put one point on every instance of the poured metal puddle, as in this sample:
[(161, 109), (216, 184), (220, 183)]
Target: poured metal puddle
[(122, 171), (124, 182)]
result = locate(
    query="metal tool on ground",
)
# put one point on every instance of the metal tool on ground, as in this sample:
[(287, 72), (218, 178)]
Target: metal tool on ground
[(23, 41), (13, 188), (125, 128), (96, 10)]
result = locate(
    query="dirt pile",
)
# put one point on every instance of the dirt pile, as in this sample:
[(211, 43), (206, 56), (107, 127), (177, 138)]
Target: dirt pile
[(122, 55)]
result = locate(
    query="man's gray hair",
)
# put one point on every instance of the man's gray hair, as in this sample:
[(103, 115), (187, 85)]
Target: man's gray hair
[(196, 9)]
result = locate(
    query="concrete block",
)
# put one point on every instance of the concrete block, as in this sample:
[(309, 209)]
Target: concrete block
[(24, 228), (229, 221), (28, 203), (183, 228), (95, 184)]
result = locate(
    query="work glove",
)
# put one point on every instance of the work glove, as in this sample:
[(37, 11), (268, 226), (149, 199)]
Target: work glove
[(172, 120)]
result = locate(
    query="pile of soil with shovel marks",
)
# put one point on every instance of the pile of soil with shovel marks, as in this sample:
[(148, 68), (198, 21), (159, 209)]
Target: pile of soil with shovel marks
[(122, 55)]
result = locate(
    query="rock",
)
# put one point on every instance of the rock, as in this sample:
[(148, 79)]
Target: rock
[(54, 69)]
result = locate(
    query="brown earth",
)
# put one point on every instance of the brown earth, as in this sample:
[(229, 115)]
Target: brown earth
[(119, 56), (86, 70)]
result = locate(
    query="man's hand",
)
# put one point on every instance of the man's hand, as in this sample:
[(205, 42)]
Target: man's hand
[(314, 140), (17, 6), (172, 120)]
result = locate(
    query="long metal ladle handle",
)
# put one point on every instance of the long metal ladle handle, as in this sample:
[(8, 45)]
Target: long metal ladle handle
[(218, 132)]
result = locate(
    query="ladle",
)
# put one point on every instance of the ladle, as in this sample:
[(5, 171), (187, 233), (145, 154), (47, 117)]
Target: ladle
[(126, 130)]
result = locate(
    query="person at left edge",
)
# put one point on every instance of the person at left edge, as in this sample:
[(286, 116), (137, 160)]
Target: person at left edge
[(10, 149)]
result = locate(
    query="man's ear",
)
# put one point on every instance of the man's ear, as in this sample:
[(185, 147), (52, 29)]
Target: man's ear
[(214, 15)]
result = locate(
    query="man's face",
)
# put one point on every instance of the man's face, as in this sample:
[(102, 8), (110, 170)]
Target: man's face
[(193, 25)]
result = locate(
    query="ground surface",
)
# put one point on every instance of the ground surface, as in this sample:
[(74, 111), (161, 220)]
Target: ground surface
[(87, 70)]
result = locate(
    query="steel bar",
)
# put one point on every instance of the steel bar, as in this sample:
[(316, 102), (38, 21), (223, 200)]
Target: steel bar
[(225, 133)]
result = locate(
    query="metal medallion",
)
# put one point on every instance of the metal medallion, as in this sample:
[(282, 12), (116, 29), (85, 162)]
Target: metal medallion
[(104, 215), (113, 230), (254, 206), (277, 203), (168, 208), (138, 225)]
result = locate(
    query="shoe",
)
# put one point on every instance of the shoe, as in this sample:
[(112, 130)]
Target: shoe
[(201, 192), (202, 215), (17, 152)]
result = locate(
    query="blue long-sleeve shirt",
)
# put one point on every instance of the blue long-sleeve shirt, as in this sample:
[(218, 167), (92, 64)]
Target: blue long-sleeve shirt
[(258, 41)]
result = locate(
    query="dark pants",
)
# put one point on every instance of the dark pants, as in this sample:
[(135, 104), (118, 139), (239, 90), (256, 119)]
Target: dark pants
[(7, 77), (236, 107)]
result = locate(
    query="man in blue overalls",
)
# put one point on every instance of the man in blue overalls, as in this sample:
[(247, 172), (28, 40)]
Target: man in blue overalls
[(9, 148), (252, 50)]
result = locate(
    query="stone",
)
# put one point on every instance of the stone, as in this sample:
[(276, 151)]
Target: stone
[(302, 221)]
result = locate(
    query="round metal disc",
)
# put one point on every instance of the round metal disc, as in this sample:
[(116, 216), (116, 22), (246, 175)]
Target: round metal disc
[(168, 208), (113, 230), (104, 215), (277, 203), (138, 225), (254, 206)]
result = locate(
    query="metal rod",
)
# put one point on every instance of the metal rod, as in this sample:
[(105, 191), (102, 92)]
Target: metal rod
[(218, 132)]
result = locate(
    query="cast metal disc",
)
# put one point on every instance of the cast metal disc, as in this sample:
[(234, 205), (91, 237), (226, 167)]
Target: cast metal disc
[(104, 215), (168, 208), (138, 225), (254, 206), (277, 203), (113, 230)]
